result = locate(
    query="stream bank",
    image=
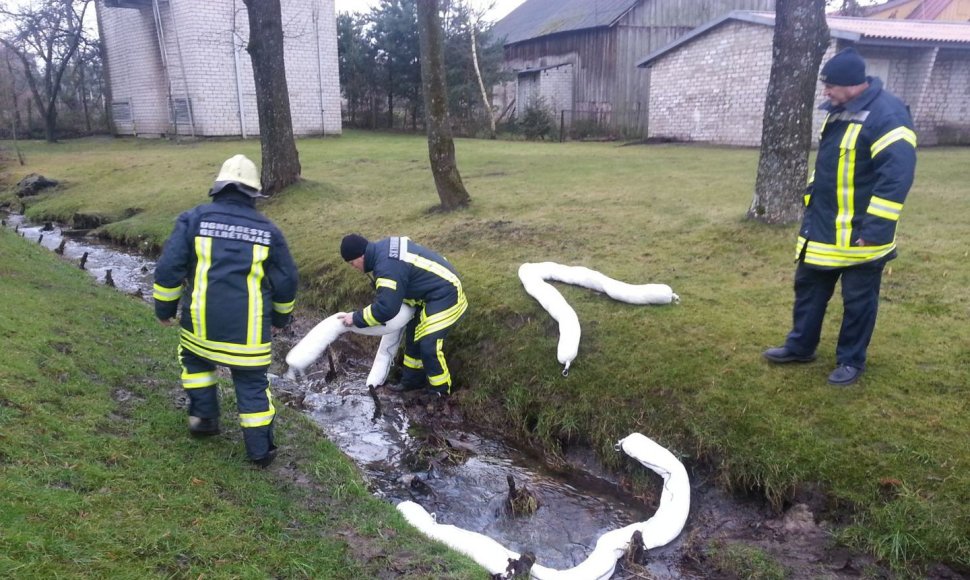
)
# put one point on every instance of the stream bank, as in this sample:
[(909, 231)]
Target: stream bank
[(394, 452)]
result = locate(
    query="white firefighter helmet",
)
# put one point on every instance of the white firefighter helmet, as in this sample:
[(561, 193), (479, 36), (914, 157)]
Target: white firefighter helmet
[(239, 171)]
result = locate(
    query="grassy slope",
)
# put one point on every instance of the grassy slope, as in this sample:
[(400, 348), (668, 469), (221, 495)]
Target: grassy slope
[(689, 375), (100, 479)]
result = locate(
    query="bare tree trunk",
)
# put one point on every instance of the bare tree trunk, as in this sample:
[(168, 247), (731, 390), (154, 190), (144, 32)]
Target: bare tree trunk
[(84, 99), (441, 146), (13, 95), (801, 35), (473, 29), (390, 109), (281, 162)]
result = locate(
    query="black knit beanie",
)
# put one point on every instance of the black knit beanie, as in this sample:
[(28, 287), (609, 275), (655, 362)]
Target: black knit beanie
[(845, 69), (352, 247)]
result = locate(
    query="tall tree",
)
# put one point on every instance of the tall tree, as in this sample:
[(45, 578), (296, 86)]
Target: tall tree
[(800, 38), (45, 37), (281, 162), (394, 34), (357, 62), (441, 145)]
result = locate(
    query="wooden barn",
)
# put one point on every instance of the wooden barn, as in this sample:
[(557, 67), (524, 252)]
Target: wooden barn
[(580, 56)]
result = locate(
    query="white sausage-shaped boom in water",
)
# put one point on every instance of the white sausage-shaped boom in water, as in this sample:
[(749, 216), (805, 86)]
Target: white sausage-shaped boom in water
[(329, 329), (665, 525)]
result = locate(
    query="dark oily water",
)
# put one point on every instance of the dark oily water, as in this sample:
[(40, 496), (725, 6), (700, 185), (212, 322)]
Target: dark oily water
[(466, 484)]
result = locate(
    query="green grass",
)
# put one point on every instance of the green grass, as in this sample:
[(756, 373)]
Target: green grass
[(690, 375), (741, 561), (100, 479)]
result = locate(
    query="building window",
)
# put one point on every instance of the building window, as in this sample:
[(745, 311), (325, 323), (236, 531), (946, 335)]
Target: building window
[(180, 109), (121, 111)]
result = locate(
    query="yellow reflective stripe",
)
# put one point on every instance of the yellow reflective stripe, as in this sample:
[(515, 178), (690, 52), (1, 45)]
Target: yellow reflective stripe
[(284, 307), (166, 294), (385, 283), (884, 208), (260, 419), (445, 377), (413, 363), (232, 347), (227, 353), (441, 320), (897, 134), (830, 255), (798, 247), (811, 177), (807, 198), (254, 286), (197, 380), (203, 253), (413, 302), (431, 266), (228, 359), (369, 317), (845, 185)]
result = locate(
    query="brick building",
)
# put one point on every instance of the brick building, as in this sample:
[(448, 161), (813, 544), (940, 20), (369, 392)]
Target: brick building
[(177, 67), (580, 55), (710, 85)]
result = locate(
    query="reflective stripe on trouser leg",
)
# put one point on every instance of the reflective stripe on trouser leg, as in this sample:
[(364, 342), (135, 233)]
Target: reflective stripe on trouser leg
[(412, 375), (860, 298), (256, 410), (199, 381), (433, 355)]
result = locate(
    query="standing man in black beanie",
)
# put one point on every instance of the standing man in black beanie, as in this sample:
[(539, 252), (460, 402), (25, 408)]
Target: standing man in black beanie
[(405, 272), (864, 169), (231, 269)]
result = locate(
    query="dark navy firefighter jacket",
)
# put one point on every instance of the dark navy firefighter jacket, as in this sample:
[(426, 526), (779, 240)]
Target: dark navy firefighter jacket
[(405, 272), (864, 169), (239, 279)]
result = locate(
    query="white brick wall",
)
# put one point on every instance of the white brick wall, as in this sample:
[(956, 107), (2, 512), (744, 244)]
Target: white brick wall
[(713, 88), (200, 36), (553, 85)]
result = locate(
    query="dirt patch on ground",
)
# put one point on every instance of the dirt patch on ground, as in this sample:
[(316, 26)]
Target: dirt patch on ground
[(463, 233)]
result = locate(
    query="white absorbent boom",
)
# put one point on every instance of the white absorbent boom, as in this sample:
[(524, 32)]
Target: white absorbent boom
[(329, 329), (665, 525), (534, 276)]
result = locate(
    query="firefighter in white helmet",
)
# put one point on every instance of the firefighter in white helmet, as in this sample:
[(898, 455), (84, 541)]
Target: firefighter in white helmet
[(231, 269)]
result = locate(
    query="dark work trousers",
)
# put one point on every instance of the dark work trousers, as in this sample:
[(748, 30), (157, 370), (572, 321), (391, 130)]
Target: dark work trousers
[(860, 299), (424, 359), (253, 400)]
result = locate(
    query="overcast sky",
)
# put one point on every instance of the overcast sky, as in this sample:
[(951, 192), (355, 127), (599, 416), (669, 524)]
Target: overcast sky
[(501, 8)]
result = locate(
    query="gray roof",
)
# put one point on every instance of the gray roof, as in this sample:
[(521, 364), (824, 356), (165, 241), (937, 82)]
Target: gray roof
[(537, 18), (861, 30)]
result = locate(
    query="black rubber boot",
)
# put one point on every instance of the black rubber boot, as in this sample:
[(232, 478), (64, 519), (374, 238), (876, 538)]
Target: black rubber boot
[(199, 427)]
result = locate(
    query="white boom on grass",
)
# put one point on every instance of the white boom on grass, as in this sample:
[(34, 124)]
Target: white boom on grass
[(329, 329), (665, 525), (534, 276)]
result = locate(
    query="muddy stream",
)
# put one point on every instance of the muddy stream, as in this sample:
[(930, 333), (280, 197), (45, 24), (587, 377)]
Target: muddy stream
[(415, 448)]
